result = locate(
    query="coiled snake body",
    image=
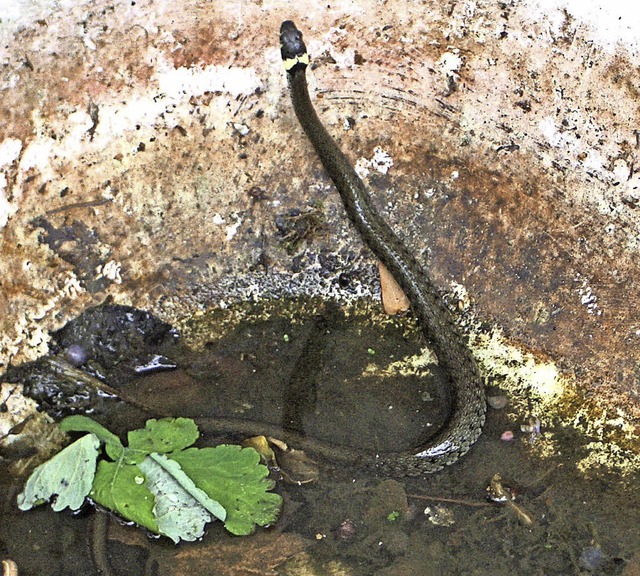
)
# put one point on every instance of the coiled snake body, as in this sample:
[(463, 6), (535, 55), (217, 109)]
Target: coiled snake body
[(467, 417)]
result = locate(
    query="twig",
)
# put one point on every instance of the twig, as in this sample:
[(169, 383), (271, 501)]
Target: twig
[(87, 204), (99, 539), (450, 500)]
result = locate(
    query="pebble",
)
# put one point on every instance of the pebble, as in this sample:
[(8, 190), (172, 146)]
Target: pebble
[(591, 558), (76, 354), (507, 436), (497, 402), (346, 531)]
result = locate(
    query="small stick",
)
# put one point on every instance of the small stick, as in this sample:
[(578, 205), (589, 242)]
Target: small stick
[(450, 500)]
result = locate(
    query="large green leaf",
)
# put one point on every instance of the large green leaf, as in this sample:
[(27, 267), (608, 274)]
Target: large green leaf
[(181, 508), (121, 487), (233, 476), (68, 475)]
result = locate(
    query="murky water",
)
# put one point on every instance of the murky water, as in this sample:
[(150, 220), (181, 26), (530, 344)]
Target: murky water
[(352, 378)]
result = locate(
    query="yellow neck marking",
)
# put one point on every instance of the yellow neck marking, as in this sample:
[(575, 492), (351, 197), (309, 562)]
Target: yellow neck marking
[(289, 63)]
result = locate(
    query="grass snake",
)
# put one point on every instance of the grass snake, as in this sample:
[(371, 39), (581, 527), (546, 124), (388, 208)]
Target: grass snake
[(465, 422)]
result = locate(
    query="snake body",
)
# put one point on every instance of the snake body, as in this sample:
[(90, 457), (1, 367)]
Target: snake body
[(467, 416)]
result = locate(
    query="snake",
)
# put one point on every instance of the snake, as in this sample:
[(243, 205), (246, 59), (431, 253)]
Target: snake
[(468, 404)]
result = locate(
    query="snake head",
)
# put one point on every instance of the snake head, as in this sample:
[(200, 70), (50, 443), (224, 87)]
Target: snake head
[(292, 48)]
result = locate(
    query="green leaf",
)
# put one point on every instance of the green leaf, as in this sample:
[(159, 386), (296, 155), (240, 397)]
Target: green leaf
[(172, 468), (157, 484), (164, 435), (79, 423), (234, 477), (69, 475), (182, 509), (121, 487)]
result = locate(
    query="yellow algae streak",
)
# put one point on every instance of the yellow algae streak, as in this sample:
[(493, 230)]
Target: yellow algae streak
[(537, 389)]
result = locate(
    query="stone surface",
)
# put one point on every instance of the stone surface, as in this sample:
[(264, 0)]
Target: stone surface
[(147, 153)]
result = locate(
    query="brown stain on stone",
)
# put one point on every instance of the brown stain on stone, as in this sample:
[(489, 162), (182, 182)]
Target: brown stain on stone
[(550, 276), (202, 45), (511, 227)]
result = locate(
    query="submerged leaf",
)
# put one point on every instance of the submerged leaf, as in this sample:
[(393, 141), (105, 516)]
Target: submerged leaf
[(181, 508), (121, 487), (261, 554), (295, 465), (69, 475), (234, 477)]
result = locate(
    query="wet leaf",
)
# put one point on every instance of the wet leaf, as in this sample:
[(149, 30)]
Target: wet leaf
[(233, 476), (121, 487), (181, 508), (164, 435), (68, 476), (155, 483)]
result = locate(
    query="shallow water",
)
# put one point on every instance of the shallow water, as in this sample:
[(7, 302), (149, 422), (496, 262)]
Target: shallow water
[(348, 379)]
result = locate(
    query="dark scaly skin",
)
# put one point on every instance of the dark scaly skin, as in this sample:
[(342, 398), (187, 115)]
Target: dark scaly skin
[(467, 417)]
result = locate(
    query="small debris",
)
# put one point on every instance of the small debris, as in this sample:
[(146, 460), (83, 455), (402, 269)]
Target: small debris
[(507, 436), (241, 129), (394, 299), (9, 568), (499, 493), (532, 428), (440, 515), (298, 226)]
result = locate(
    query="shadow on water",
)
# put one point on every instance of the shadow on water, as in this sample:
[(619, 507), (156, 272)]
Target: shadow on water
[(347, 377)]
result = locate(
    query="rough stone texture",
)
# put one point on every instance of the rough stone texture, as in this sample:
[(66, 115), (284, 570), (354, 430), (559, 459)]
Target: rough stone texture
[(147, 153)]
